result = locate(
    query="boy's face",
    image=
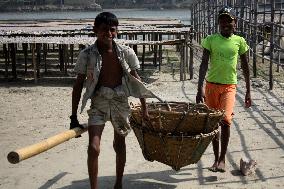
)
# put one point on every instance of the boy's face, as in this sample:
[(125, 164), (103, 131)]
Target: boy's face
[(105, 33), (227, 25)]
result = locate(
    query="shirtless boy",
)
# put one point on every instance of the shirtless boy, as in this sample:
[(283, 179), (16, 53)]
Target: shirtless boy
[(105, 66)]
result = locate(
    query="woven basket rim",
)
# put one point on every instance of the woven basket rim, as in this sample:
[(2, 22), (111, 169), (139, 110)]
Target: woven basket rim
[(211, 111), (217, 112), (174, 135)]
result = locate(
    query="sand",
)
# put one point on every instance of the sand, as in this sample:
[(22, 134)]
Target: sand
[(30, 113)]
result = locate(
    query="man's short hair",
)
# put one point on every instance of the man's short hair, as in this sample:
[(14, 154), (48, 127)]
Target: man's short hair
[(226, 10), (106, 18)]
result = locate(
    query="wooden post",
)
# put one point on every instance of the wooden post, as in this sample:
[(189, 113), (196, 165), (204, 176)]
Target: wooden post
[(143, 54), (25, 49), (38, 57), (13, 59), (72, 53), (34, 61), (61, 57), (191, 55), (155, 50), (279, 42), (186, 52), (65, 57), (6, 54), (255, 39), (160, 52), (181, 73), (271, 45), (45, 56)]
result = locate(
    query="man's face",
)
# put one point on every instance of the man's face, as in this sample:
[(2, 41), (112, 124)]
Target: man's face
[(227, 25), (105, 33)]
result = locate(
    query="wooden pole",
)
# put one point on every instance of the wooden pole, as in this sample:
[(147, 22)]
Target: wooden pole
[(13, 59), (45, 49), (6, 55), (191, 55), (34, 61), (271, 45), (160, 52), (38, 57), (255, 39), (35, 149), (143, 54), (25, 49)]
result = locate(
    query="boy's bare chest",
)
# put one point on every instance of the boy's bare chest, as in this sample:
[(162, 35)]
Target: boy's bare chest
[(111, 63)]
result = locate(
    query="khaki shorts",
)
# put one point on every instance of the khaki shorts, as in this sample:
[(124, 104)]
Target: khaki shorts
[(106, 104), (221, 97)]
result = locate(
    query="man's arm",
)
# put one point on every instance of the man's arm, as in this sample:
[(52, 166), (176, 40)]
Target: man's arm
[(245, 68), (142, 100), (202, 73)]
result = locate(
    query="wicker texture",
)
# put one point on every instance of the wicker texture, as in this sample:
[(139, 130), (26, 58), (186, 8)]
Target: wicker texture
[(177, 133), (178, 117)]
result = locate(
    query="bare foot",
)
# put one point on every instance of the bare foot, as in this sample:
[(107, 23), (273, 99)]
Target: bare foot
[(214, 167), (221, 166), (117, 186)]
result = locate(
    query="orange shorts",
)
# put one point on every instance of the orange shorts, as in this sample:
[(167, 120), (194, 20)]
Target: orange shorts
[(221, 97)]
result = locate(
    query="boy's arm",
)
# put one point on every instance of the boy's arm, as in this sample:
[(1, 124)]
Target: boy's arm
[(202, 73), (76, 95), (245, 68), (142, 100)]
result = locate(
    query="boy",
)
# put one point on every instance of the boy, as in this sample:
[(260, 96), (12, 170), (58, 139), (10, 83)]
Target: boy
[(223, 49), (105, 66)]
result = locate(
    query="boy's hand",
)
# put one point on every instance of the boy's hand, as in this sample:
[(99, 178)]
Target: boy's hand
[(247, 100), (200, 96), (75, 123), (145, 114)]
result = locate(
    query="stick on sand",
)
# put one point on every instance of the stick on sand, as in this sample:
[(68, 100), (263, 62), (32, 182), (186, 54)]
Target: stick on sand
[(34, 149)]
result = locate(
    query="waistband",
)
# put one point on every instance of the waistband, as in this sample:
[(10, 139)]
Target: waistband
[(213, 83), (109, 93)]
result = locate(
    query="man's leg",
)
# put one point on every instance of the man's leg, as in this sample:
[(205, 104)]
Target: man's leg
[(95, 133), (120, 150)]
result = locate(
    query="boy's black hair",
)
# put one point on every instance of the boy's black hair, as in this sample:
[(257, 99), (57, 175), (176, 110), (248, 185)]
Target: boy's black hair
[(106, 18)]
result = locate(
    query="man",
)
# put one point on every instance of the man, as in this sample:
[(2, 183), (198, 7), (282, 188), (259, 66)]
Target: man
[(223, 49), (104, 65)]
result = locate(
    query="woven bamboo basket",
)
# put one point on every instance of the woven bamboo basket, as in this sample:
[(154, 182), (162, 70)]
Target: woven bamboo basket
[(178, 117), (177, 134)]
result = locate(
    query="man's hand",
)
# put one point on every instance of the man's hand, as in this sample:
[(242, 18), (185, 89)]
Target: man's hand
[(247, 100), (200, 96), (75, 123)]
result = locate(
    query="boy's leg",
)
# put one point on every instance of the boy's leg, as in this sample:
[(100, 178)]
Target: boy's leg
[(215, 144), (227, 103), (225, 136), (95, 133), (120, 150), (211, 100)]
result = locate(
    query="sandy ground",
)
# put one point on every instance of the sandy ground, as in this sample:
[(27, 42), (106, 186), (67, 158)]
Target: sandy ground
[(30, 113)]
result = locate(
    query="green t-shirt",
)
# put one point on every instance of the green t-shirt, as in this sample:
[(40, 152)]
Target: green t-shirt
[(224, 54)]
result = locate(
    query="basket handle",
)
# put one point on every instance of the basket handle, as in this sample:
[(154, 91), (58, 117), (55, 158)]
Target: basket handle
[(199, 106), (193, 109)]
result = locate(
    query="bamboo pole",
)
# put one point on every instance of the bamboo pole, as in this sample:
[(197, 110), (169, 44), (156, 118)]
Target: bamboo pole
[(35, 149)]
